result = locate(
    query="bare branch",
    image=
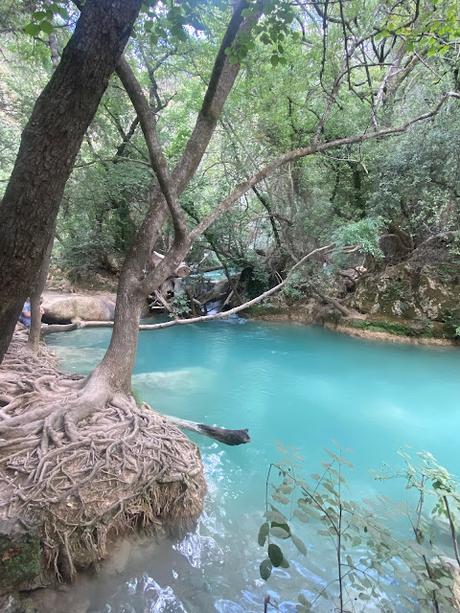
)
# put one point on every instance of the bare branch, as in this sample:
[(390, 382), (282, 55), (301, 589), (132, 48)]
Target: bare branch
[(221, 82)]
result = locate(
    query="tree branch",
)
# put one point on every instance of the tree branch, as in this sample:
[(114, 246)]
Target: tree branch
[(296, 154), (222, 315), (157, 159), (221, 82)]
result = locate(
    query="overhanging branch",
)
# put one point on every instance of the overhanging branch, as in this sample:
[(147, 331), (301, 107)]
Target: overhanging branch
[(296, 154), (193, 320)]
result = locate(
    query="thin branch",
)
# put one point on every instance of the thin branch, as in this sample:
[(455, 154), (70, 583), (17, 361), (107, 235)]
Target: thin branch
[(221, 82), (452, 529), (157, 158), (222, 315)]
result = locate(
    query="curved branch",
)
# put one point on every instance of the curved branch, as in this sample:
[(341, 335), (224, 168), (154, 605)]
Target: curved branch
[(296, 154), (220, 84), (157, 159), (224, 314)]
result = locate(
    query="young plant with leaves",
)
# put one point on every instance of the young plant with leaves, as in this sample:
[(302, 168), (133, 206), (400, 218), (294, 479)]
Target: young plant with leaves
[(369, 552)]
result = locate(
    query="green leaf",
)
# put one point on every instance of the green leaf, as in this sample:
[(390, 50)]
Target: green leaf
[(62, 11), (32, 29), (300, 545), (275, 554), (46, 27), (280, 498), (265, 569), (284, 563), (263, 533), (279, 533), (301, 515), (276, 515), (38, 15)]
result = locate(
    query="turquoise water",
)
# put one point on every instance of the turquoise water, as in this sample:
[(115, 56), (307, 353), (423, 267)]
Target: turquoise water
[(297, 388)]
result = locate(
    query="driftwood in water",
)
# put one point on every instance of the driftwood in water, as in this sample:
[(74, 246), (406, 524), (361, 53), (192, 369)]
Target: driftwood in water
[(223, 435)]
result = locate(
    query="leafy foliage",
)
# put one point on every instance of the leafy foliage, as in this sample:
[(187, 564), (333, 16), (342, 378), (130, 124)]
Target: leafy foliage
[(303, 80), (368, 548), (365, 233)]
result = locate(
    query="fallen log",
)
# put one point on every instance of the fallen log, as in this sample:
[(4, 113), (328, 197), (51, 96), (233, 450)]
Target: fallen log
[(52, 328), (224, 314), (223, 435)]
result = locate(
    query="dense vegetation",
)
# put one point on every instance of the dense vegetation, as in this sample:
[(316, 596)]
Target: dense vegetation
[(310, 73), (311, 146)]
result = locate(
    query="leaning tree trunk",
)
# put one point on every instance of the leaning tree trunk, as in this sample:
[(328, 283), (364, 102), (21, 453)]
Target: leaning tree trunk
[(114, 371), (35, 297), (49, 145), (140, 275)]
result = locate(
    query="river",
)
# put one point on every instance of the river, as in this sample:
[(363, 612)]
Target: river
[(299, 391)]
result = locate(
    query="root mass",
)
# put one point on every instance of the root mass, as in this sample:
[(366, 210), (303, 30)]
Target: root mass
[(82, 465)]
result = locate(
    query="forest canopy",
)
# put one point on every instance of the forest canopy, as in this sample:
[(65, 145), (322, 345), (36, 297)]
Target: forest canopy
[(310, 72)]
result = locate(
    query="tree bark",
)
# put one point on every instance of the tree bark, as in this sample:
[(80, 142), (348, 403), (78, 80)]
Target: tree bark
[(35, 324), (49, 145)]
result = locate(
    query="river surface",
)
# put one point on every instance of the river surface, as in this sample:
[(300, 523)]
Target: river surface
[(299, 391)]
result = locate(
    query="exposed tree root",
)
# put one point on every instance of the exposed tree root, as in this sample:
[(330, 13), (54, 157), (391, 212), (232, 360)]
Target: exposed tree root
[(82, 466)]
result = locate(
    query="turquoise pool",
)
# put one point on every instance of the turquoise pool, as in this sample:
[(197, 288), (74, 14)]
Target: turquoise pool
[(298, 390)]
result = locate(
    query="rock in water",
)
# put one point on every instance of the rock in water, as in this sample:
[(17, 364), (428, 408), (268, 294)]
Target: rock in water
[(88, 308)]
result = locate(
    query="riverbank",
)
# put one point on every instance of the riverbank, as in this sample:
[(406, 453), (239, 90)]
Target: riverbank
[(371, 328), (388, 337)]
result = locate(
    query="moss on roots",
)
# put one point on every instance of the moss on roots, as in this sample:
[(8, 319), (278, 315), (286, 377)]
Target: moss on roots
[(81, 482)]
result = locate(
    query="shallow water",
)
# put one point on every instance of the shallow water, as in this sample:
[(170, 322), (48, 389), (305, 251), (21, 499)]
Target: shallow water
[(300, 388)]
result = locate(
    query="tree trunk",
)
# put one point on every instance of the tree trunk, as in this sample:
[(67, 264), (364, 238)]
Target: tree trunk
[(49, 145), (140, 275), (35, 324), (118, 362)]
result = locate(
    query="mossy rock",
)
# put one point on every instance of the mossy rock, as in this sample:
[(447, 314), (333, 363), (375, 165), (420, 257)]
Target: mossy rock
[(390, 327), (408, 293), (20, 557), (411, 329)]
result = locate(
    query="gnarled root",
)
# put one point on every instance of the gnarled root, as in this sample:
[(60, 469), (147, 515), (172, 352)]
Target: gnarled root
[(83, 466)]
